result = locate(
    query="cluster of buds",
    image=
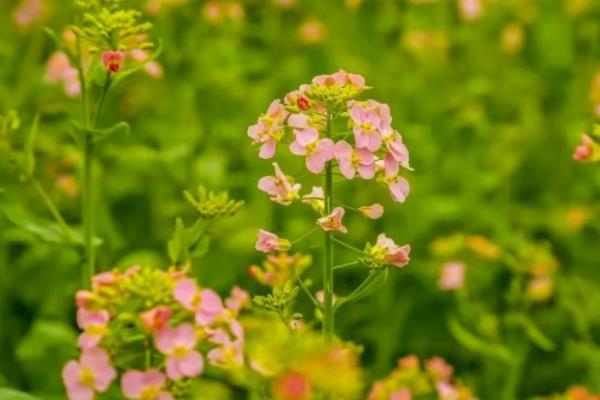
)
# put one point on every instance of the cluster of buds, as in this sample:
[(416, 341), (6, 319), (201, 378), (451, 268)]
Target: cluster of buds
[(367, 147), (280, 268), (155, 330), (304, 366), (412, 380)]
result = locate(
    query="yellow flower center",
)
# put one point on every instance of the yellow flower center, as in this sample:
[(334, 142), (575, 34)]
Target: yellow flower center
[(86, 377), (150, 393), (180, 351), (366, 127), (311, 148), (96, 330)]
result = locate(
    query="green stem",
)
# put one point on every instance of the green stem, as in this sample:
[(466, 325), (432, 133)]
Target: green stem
[(52, 208), (346, 265), (349, 246), (307, 234), (328, 314), (88, 209), (308, 293)]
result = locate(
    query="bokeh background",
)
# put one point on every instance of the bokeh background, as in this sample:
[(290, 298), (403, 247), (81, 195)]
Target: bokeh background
[(490, 96)]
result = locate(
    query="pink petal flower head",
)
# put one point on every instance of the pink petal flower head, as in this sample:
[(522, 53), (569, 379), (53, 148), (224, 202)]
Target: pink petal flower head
[(440, 369), (237, 300), (293, 386), (107, 278), (333, 221), (397, 152), (409, 362), (113, 60), (386, 251), (399, 188), (341, 79), (149, 385), (453, 276), (374, 211), (280, 187), (351, 160), (205, 303), (60, 70), (269, 242), (366, 126), (156, 318), (470, 9), (316, 199), (585, 151), (92, 373), (317, 151), (229, 353), (28, 13), (178, 344), (94, 326), (269, 129), (447, 391), (402, 394), (84, 299)]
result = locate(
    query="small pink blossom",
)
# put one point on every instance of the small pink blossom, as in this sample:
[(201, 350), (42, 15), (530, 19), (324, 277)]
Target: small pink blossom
[(316, 199), (113, 60), (229, 353), (585, 151), (293, 386), (156, 318), (269, 242), (269, 130), (470, 9), (205, 303), (237, 300), (453, 276), (149, 385), (447, 391), (94, 326), (60, 70), (397, 153), (366, 127), (84, 298), (386, 251), (340, 78), (317, 151), (92, 373), (107, 278), (439, 368), (178, 344), (28, 13), (280, 187), (351, 160), (402, 394), (374, 211), (333, 221), (399, 188)]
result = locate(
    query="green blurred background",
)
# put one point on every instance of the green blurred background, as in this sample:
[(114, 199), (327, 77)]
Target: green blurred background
[(490, 101)]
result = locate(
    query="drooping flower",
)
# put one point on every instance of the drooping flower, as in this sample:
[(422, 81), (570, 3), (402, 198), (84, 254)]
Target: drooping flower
[(269, 242), (156, 318), (317, 151), (269, 129), (280, 187), (397, 153), (149, 385), (178, 344), (316, 199), (351, 160), (398, 187), (92, 374), (385, 251), (113, 60), (374, 211), (453, 276), (94, 326), (206, 303), (333, 221)]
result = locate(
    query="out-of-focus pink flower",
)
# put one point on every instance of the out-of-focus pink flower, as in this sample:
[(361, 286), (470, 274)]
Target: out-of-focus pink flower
[(212, 12), (374, 211), (470, 9), (269, 242), (447, 391), (156, 318), (333, 221), (317, 151), (138, 385), (269, 130), (284, 3), (453, 276), (237, 300), (280, 187), (293, 386), (28, 13), (386, 251), (340, 78), (94, 326), (84, 298), (585, 150), (206, 303), (150, 67), (178, 344), (409, 362), (312, 31), (402, 394), (60, 70), (113, 60), (107, 278), (351, 160), (229, 353), (439, 368), (316, 199), (92, 373)]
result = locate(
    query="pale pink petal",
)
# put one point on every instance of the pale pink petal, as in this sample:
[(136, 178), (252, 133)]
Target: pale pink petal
[(172, 369), (399, 190), (267, 150), (70, 373), (132, 383), (268, 184), (192, 365), (297, 149)]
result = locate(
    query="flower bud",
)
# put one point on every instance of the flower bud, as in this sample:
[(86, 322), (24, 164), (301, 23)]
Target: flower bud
[(113, 60)]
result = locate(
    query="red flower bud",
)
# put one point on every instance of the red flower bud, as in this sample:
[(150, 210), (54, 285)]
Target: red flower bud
[(303, 103), (113, 60)]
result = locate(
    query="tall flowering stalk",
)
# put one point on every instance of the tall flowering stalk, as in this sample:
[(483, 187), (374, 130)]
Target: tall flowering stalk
[(337, 134)]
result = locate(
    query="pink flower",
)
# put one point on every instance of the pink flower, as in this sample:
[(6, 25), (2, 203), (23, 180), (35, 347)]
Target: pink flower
[(366, 127), (206, 303), (316, 199), (269, 130), (113, 60), (107, 278), (453, 276), (94, 326), (585, 151), (60, 70), (333, 221), (402, 394), (397, 153), (280, 187), (229, 353), (92, 373), (439, 368), (340, 78), (470, 9), (84, 298), (149, 385), (178, 345), (374, 211), (28, 13), (350, 160), (269, 242), (237, 300), (399, 187), (388, 252), (446, 391), (317, 151), (156, 318), (293, 386)]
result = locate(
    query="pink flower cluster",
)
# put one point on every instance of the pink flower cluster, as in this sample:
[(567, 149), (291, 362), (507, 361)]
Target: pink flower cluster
[(370, 149), (189, 318)]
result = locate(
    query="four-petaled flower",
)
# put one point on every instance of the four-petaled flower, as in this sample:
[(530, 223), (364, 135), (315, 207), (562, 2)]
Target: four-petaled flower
[(385, 251), (149, 385), (93, 324), (206, 303), (317, 151), (92, 373), (156, 318), (178, 344), (269, 129), (333, 221), (280, 187), (269, 242), (352, 160)]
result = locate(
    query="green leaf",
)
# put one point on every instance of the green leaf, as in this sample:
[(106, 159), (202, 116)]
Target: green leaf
[(175, 245), (12, 394), (201, 248), (29, 146), (534, 334), (372, 282), (478, 345), (120, 128)]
